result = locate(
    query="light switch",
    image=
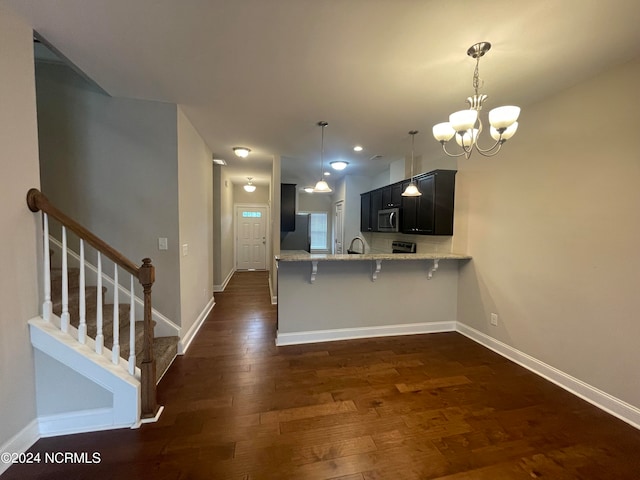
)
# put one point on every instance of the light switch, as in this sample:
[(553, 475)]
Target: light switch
[(185, 249), (162, 243)]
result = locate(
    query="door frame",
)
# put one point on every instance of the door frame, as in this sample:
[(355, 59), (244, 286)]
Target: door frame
[(335, 226), (242, 206)]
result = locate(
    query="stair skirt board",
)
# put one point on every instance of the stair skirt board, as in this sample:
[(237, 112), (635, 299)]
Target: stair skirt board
[(185, 341), (81, 421), (99, 369), (164, 326)]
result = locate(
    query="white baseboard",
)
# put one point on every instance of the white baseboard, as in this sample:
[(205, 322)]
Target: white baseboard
[(78, 422), (616, 407), (20, 442), (315, 336), (220, 288), (185, 341), (274, 298)]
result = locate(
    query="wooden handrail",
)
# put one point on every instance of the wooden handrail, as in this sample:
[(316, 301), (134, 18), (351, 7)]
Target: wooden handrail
[(145, 274), (36, 200)]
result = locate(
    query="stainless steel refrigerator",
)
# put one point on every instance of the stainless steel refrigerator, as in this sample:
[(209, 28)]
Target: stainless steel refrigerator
[(300, 238)]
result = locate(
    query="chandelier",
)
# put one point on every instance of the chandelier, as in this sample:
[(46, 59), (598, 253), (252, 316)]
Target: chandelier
[(466, 125)]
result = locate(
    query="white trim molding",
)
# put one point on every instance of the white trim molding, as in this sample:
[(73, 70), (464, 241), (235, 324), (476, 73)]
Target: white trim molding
[(315, 336), (225, 282), (610, 404), (20, 442), (188, 337)]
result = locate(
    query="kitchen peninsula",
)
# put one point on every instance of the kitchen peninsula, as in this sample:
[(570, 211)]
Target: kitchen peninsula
[(323, 297)]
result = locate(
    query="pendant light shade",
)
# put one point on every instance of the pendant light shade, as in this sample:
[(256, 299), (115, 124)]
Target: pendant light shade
[(322, 186), (412, 189), (250, 187)]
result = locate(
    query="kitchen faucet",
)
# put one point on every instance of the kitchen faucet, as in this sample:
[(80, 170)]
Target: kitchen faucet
[(350, 249)]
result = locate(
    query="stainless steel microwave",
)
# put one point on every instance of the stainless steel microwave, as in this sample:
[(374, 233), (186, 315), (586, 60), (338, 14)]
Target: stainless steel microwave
[(389, 220)]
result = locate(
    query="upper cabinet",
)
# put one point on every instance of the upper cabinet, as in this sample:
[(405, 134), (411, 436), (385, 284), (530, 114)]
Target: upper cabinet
[(429, 214), (287, 207)]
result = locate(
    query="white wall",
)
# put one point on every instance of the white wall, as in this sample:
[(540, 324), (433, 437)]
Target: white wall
[(552, 224), (18, 246), (260, 195), (195, 198), (110, 163), (224, 256)]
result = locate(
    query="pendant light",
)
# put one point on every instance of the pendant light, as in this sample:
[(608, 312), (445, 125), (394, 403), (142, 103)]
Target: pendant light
[(412, 189), (250, 187), (322, 186)]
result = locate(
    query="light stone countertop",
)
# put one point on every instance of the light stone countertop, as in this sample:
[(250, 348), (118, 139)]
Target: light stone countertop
[(302, 256)]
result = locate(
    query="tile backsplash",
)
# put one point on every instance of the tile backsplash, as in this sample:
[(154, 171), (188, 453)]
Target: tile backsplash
[(381, 242)]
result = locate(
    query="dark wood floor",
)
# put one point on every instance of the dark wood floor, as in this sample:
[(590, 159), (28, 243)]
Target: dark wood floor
[(415, 407)]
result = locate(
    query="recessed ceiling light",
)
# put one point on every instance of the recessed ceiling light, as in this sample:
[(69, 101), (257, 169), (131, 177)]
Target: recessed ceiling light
[(339, 165), (357, 148), (241, 151), (326, 174)]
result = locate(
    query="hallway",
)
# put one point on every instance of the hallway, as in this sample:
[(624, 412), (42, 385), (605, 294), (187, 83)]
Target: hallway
[(415, 407)]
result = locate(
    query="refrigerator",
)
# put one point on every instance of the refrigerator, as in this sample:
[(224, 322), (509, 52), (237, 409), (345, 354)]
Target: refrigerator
[(300, 238)]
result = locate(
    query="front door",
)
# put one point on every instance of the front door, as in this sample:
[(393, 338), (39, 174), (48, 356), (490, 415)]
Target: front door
[(251, 251)]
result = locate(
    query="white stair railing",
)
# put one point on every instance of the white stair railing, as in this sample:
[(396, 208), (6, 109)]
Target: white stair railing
[(145, 274)]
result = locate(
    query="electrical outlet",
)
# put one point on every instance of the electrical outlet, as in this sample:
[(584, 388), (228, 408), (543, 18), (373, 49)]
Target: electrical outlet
[(163, 243), (494, 319)]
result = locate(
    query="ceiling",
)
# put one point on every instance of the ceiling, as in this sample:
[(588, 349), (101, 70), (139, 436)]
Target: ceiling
[(262, 73)]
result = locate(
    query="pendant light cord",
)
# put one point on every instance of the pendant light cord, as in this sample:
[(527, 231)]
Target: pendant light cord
[(413, 136)]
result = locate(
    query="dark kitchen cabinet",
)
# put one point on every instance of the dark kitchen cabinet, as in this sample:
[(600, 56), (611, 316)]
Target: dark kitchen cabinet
[(365, 212), (432, 212), (392, 195), (287, 207)]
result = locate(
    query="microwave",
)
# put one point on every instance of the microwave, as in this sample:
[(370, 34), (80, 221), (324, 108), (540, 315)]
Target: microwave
[(389, 220)]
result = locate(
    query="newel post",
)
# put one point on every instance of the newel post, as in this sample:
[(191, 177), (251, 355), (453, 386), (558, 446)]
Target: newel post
[(146, 277)]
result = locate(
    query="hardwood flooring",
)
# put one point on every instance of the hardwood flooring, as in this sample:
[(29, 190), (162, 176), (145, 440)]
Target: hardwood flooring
[(433, 406)]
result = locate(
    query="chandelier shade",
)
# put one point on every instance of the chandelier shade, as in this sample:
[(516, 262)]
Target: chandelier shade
[(466, 125)]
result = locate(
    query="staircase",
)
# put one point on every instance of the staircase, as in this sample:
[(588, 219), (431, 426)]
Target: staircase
[(106, 354), (165, 349)]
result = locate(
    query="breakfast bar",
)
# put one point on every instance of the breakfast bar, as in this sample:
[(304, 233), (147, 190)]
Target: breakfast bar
[(323, 297)]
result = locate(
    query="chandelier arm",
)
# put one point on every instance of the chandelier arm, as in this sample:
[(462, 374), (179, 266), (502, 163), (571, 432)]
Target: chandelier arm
[(464, 152), (489, 152)]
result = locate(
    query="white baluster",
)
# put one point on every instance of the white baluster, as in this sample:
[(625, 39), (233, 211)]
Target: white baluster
[(115, 350), (99, 335), (47, 305), (82, 326), (132, 330), (64, 318)]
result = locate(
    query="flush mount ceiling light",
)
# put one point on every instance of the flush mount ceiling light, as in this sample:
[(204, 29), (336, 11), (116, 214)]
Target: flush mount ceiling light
[(339, 165), (357, 148), (466, 125), (322, 186), (250, 187), (242, 152), (412, 189)]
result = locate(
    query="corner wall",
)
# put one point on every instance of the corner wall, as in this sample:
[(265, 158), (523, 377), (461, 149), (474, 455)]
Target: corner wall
[(553, 227), (195, 210), (110, 163), (19, 249), (224, 255)]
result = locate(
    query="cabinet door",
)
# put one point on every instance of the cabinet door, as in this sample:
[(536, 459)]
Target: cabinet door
[(365, 212), (425, 218), (409, 211), (376, 205), (287, 207), (396, 194)]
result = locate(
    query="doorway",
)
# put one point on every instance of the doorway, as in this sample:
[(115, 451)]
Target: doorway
[(251, 237), (338, 228)]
